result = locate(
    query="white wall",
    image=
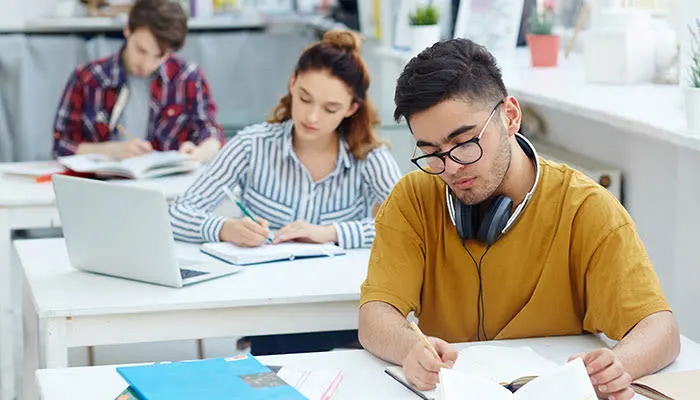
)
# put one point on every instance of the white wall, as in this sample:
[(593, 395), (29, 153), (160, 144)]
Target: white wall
[(14, 13)]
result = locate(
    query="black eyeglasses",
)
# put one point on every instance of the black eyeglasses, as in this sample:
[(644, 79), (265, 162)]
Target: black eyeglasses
[(464, 153)]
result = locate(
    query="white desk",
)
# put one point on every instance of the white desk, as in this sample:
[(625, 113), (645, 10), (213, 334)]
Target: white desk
[(363, 375), (25, 204), (64, 307)]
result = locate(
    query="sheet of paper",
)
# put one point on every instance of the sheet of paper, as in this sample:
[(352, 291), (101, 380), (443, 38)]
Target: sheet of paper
[(317, 384), (455, 385), (569, 382), (502, 364)]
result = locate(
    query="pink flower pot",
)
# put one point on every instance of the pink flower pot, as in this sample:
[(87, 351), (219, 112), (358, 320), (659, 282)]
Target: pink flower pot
[(544, 50)]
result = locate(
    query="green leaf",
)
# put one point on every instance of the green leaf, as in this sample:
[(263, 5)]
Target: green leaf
[(426, 15), (541, 23)]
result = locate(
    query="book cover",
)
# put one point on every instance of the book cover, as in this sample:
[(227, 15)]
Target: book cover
[(238, 377), (151, 165)]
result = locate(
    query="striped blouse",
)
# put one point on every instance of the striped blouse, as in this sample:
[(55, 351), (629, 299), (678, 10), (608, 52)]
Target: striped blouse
[(275, 186)]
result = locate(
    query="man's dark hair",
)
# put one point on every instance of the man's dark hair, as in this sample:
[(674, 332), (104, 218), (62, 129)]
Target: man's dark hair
[(455, 68), (165, 19)]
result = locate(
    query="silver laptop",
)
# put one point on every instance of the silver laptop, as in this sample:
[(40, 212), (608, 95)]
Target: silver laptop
[(124, 231)]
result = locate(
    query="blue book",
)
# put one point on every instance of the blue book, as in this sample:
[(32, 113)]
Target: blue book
[(230, 378)]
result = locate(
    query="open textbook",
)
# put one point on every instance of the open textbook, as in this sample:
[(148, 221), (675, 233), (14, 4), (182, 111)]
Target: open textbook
[(507, 368), (568, 382), (151, 165), (233, 254), (678, 385)]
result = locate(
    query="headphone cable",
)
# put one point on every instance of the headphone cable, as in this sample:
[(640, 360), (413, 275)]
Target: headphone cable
[(480, 310)]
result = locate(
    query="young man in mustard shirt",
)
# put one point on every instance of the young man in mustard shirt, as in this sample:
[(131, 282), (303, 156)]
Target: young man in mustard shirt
[(488, 241)]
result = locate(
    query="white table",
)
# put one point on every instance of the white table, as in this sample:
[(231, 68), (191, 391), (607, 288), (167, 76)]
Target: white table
[(25, 204), (363, 376), (64, 307)]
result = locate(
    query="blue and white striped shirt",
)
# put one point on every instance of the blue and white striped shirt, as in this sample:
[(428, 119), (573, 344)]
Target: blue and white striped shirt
[(275, 186)]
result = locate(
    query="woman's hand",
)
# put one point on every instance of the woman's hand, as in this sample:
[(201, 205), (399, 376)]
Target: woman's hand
[(302, 231)]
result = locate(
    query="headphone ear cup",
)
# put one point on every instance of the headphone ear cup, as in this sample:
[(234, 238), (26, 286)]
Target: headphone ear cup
[(494, 220), (467, 220)]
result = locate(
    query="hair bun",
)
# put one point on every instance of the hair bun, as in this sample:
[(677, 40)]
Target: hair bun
[(342, 39)]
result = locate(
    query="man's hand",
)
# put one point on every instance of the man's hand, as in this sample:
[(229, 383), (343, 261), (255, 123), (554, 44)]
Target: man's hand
[(303, 231), (607, 374), (187, 147), (245, 232), (132, 148), (420, 366)]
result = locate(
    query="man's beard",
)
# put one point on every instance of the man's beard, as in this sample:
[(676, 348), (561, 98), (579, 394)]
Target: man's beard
[(483, 189)]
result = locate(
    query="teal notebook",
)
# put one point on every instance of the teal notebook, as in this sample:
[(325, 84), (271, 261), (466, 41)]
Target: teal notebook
[(231, 378)]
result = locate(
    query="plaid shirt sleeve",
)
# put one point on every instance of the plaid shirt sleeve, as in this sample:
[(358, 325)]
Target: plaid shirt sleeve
[(68, 124), (204, 118)]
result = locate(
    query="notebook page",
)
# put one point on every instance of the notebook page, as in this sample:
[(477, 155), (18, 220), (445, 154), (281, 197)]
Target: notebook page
[(281, 248), (270, 252), (140, 164), (455, 385), (88, 162), (502, 364), (568, 382)]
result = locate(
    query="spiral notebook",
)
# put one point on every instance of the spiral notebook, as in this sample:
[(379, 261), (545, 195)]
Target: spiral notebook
[(233, 254)]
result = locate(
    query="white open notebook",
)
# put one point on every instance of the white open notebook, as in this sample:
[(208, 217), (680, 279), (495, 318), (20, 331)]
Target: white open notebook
[(147, 166), (268, 252), (497, 368)]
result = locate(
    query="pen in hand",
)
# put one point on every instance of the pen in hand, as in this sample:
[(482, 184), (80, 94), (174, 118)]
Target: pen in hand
[(425, 340), (124, 132), (240, 205)]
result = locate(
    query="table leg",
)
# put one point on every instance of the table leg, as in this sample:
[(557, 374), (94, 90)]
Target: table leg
[(31, 359), (54, 344), (7, 366)]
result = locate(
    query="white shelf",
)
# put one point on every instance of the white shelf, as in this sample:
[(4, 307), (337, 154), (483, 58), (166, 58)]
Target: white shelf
[(647, 109), (92, 24)]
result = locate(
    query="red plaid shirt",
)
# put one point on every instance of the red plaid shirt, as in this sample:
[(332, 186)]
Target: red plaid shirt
[(181, 106)]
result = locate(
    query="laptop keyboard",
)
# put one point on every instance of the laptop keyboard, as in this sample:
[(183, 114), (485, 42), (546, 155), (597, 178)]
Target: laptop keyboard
[(190, 273)]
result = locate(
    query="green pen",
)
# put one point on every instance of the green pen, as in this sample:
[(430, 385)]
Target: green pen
[(240, 205)]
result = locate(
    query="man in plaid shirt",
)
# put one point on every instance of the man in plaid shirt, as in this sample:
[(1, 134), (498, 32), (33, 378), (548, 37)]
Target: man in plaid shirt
[(142, 98)]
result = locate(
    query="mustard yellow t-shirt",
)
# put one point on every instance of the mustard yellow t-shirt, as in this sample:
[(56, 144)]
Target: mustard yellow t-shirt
[(572, 263)]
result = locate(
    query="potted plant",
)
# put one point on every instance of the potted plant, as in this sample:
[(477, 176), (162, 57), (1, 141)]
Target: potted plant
[(543, 44), (425, 30), (692, 91)]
